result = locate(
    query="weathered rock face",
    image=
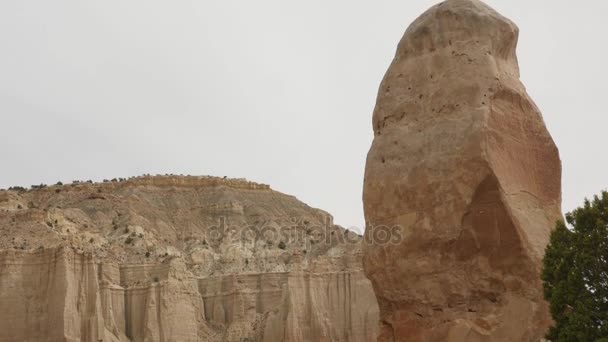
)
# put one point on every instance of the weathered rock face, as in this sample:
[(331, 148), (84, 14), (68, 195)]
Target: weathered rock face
[(466, 177), (177, 259), (61, 295)]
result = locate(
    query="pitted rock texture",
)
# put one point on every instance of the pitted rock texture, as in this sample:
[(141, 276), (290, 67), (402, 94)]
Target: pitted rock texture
[(465, 176), (170, 258)]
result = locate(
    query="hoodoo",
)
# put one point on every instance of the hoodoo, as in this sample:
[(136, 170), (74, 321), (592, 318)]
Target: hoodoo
[(465, 177)]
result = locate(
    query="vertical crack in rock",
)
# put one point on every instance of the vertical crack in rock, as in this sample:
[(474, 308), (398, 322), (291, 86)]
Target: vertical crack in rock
[(466, 179)]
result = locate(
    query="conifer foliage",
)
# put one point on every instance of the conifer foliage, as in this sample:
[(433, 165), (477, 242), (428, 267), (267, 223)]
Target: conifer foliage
[(575, 274)]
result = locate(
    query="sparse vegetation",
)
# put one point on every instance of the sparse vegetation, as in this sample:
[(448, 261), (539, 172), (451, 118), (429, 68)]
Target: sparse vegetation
[(282, 245), (41, 186)]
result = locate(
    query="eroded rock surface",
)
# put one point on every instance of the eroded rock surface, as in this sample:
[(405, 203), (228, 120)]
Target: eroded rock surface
[(170, 258), (464, 172)]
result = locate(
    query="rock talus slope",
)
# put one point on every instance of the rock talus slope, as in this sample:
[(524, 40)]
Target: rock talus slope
[(466, 179), (170, 258)]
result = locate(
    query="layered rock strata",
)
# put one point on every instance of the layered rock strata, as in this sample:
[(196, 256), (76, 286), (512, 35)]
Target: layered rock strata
[(170, 258)]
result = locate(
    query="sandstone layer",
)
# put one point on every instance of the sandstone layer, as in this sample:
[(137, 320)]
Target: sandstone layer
[(465, 178), (171, 258)]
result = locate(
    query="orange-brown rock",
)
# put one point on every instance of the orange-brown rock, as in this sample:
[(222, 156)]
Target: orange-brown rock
[(171, 258), (466, 179)]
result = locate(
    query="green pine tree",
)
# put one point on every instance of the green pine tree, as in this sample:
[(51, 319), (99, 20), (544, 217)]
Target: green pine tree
[(575, 274)]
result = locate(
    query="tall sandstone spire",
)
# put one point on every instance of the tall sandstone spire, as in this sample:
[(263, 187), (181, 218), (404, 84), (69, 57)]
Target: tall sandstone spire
[(465, 178)]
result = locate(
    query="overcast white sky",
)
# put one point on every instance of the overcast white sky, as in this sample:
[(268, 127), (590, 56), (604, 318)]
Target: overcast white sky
[(279, 91)]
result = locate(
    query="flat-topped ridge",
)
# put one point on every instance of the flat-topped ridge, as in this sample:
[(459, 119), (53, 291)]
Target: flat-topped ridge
[(167, 180)]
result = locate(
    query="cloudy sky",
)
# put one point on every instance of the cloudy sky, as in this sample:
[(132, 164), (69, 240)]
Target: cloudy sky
[(277, 91)]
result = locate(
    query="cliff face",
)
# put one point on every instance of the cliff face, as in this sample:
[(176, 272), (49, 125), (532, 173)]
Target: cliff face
[(465, 179), (177, 259), (58, 294)]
